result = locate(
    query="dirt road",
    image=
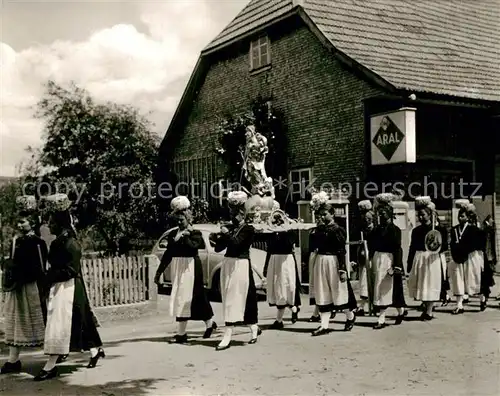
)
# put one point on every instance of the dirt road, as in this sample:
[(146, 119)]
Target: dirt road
[(449, 356)]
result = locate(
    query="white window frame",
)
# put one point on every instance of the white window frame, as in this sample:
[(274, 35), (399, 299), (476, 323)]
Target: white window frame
[(258, 44), (303, 185)]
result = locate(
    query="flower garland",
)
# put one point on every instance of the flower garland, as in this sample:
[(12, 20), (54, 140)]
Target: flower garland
[(231, 139)]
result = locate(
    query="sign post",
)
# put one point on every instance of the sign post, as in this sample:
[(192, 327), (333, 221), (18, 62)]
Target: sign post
[(393, 137)]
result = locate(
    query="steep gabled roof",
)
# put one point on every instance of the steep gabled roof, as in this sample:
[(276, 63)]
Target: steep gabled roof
[(449, 47)]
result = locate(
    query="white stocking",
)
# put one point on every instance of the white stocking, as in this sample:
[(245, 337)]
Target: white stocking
[(254, 329), (429, 305), (316, 311), (325, 319), (280, 314), (482, 298), (227, 336), (460, 302), (401, 311), (94, 352), (209, 323), (51, 363), (381, 316), (349, 314), (182, 328), (13, 354), (366, 305), (294, 309)]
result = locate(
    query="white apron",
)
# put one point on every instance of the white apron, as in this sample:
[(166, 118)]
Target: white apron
[(281, 280), (424, 282), (182, 275), (328, 289), (59, 318), (383, 282), (234, 284)]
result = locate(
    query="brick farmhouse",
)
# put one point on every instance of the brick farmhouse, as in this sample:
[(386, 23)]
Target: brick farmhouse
[(329, 66)]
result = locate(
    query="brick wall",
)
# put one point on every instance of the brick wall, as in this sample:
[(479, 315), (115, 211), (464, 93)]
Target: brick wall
[(321, 101)]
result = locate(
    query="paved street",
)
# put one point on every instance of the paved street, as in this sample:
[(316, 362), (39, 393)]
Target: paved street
[(448, 356)]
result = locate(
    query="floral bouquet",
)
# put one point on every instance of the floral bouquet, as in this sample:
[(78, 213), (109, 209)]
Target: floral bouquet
[(26, 203), (180, 203)]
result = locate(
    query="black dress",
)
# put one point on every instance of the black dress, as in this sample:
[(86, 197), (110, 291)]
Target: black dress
[(65, 264), (282, 244), (329, 242), (387, 239), (187, 247)]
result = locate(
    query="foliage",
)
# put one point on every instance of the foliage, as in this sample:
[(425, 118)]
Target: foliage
[(102, 156), (231, 144), (8, 211), (200, 209)]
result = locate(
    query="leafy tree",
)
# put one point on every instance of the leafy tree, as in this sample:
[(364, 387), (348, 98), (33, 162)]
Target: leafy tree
[(102, 155), (8, 193)]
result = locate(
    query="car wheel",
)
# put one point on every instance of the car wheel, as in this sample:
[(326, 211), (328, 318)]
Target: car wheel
[(215, 293)]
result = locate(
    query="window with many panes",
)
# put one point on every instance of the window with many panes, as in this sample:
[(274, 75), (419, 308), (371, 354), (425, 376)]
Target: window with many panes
[(300, 183), (260, 53)]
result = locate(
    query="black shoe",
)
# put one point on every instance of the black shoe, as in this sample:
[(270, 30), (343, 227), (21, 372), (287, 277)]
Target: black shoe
[(360, 312), (180, 339), (295, 316), (277, 325), (8, 367), (379, 326), (210, 330), (465, 301), (93, 360), (332, 315), (45, 375), (457, 311), (320, 331), (61, 358), (349, 324), (223, 348), (426, 317), (314, 319), (405, 313), (399, 319), (482, 306), (445, 301)]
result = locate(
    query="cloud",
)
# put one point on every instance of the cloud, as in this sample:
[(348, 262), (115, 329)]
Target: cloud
[(119, 63)]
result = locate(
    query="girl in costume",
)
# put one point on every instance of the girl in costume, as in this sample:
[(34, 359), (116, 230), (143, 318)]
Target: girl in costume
[(386, 257), (425, 265), (461, 247), (367, 225), (487, 280), (331, 288), (25, 306), (188, 300), (239, 295), (283, 283), (70, 323)]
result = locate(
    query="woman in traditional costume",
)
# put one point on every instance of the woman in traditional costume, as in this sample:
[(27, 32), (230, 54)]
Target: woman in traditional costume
[(283, 284), (487, 279), (332, 289), (475, 262), (24, 305), (367, 225), (461, 247), (70, 324), (387, 262), (425, 256), (239, 295), (188, 300)]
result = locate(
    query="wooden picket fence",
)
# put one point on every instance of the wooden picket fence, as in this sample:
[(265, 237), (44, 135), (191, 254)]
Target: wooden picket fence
[(116, 280)]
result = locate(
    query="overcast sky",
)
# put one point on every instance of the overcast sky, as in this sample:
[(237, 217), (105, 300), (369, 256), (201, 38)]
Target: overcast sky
[(128, 51)]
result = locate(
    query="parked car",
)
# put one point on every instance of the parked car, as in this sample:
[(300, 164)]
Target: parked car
[(210, 261)]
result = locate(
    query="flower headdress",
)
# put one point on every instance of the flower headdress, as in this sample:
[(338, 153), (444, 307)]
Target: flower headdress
[(237, 198), (57, 202), (424, 202), (26, 203), (319, 200), (384, 199), (471, 208), (462, 203), (365, 206), (180, 203)]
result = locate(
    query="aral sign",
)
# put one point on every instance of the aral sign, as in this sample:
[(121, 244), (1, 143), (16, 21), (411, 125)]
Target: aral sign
[(392, 137)]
